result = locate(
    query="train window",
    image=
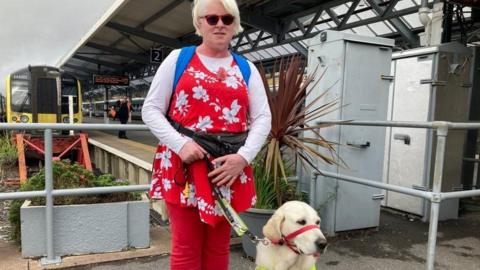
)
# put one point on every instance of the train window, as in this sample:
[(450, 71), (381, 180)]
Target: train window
[(69, 88), (21, 99), (65, 109), (47, 95)]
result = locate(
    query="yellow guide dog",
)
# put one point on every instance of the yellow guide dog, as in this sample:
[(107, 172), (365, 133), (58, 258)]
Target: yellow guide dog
[(294, 240)]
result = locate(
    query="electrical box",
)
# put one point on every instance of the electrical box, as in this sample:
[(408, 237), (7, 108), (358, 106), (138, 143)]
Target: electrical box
[(430, 84), (356, 71)]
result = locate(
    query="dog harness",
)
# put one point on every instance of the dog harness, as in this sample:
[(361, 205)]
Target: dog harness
[(285, 239)]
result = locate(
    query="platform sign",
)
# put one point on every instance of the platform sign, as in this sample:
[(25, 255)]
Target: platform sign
[(156, 56), (110, 80)]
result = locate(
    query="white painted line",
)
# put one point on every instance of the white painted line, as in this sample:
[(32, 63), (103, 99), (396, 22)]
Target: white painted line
[(132, 159)]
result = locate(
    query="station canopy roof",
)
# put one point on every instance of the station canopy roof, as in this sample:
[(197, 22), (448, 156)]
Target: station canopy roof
[(273, 28)]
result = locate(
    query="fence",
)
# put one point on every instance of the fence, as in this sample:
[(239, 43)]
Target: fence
[(435, 196), (49, 192)]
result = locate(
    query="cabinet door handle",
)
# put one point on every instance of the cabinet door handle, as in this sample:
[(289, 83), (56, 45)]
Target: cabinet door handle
[(402, 137), (358, 144), (378, 197), (433, 82), (388, 77)]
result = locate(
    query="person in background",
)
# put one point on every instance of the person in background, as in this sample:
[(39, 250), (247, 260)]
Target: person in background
[(211, 96), (130, 110), (122, 116), (113, 113)]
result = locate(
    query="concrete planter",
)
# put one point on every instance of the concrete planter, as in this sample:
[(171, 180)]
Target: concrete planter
[(86, 228)]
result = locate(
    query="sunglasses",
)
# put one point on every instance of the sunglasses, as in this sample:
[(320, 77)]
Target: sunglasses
[(213, 19)]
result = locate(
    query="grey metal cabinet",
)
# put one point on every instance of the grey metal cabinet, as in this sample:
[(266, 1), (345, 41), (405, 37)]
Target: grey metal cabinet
[(357, 70), (431, 84)]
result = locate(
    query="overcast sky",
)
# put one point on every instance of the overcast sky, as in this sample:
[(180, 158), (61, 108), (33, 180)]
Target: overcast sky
[(46, 32)]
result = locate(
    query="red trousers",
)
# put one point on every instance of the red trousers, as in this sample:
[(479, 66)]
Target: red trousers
[(197, 245)]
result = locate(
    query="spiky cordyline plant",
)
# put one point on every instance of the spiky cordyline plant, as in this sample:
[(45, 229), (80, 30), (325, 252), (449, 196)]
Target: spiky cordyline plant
[(290, 117)]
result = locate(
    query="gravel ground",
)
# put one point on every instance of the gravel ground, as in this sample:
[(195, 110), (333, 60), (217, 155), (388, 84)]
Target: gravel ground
[(4, 208)]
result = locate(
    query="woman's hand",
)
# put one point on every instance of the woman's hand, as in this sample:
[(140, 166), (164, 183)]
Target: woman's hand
[(191, 152), (232, 166)]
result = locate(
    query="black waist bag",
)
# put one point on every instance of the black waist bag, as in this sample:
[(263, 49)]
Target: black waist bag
[(216, 144)]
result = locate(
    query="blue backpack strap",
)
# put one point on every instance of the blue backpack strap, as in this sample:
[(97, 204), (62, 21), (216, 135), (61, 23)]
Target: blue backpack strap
[(186, 55), (243, 66), (183, 60)]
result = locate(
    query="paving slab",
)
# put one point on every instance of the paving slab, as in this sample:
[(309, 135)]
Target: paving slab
[(130, 147), (10, 256), (398, 244)]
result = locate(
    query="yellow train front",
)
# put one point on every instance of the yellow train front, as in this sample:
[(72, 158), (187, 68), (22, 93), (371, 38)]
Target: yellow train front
[(40, 94)]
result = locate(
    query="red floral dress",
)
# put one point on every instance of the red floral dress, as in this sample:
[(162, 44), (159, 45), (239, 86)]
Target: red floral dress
[(210, 102)]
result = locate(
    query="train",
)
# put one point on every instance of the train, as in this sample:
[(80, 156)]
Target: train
[(97, 107), (40, 94), (3, 113)]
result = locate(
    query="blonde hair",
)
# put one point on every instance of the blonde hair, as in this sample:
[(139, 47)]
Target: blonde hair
[(229, 5)]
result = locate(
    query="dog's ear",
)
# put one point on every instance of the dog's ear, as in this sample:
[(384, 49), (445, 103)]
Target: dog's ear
[(271, 230)]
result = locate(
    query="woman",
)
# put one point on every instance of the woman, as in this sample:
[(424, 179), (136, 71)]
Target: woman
[(122, 116), (211, 96)]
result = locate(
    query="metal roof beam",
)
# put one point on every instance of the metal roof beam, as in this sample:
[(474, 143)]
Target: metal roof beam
[(333, 16), (160, 13), (274, 5), (280, 28), (80, 68), (396, 14), (298, 46), (82, 77), (391, 15), (166, 41), (349, 13), (313, 10), (275, 27), (100, 62), (260, 21), (151, 19), (400, 26), (254, 43), (390, 7), (139, 58)]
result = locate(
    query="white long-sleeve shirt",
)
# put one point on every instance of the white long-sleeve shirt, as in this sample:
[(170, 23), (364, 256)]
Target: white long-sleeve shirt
[(156, 104)]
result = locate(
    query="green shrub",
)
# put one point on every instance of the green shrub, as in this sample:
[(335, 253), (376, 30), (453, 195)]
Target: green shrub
[(8, 152), (68, 176), (265, 190)]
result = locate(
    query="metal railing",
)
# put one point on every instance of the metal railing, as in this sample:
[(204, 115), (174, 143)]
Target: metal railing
[(435, 196), (49, 192)]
